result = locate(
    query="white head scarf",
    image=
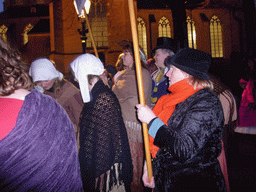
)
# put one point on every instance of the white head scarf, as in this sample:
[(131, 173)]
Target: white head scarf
[(83, 65), (43, 70)]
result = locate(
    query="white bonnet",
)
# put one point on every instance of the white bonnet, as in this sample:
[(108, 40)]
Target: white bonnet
[(42, 69), (83, 65)]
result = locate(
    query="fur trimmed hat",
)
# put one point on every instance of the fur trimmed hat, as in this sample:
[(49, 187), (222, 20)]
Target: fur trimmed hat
[(191, 61)]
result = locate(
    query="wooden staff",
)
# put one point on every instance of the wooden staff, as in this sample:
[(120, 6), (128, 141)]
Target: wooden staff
[(90, 32), (140, 84)]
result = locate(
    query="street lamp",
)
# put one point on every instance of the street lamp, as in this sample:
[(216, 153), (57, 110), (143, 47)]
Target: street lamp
[(82, 9)]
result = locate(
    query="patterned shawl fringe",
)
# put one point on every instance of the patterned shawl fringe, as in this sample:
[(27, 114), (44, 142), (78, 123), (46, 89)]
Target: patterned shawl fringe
[(111, 178)]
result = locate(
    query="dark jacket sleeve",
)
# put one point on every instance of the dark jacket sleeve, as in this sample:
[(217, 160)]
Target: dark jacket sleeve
[(191, 126)]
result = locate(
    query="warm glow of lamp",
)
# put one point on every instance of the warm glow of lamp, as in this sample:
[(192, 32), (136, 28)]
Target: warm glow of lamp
[(86, 7), (76, 7)]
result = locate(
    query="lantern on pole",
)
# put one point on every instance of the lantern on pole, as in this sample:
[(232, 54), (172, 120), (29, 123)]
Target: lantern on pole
[(82, 9)]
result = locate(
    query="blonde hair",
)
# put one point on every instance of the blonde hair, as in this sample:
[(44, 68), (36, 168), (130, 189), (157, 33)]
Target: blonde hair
[(200, 83), (57, 85), (119, 63)]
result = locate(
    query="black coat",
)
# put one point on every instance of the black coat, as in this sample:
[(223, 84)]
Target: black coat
[(189, 146)]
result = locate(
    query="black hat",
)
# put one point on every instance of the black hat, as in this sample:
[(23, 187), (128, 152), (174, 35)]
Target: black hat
[(192, 61), (165, 43)]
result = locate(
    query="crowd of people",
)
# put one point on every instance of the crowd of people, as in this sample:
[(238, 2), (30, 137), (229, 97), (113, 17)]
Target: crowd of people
[(85, 133)]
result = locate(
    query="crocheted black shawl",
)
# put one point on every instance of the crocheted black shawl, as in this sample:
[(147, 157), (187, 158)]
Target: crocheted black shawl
[(40, 153), (103, 141)]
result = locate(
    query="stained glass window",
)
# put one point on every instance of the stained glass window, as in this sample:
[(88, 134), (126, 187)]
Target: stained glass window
[(142, 33), (25, 34), (164, 28), (191, 33), (98, 22), (216, 37), (3, 30)]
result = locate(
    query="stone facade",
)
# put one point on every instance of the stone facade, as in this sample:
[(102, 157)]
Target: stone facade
[(62, 42)]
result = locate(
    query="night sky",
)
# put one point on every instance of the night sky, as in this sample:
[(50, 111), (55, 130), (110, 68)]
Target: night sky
[(1, 5), (152, 4), (156, 4)]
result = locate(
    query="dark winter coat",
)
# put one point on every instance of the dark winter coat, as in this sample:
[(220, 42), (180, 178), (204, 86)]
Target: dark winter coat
[(190, 145)]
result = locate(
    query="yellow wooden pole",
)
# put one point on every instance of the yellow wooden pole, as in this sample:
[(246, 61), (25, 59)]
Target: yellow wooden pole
[(90, 33), (140, 84)]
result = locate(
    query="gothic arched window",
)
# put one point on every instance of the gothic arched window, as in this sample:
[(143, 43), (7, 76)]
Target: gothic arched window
[(216, 37), (164, 28), (98, 22), (25, 34), (99, 28), (142, 33), (191, 33), (3, 30)]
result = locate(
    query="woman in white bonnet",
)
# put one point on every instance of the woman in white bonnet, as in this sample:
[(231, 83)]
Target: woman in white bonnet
[(104, 154), (50, 81)]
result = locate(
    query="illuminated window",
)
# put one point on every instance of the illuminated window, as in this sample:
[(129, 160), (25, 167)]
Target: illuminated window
[(98, 22), (164, 28), (25, 34), (216, 37), (99, 28), (142, 34), (3, 31), (191, 33)]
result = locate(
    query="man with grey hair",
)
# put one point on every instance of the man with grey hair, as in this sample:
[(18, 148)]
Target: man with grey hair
[(165, 47)]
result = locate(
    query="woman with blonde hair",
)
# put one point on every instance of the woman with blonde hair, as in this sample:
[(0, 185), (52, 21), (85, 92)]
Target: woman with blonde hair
[(37, 141), (186, 128)]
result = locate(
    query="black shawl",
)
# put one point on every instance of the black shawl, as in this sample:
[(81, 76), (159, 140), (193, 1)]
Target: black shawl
[(103, 141), (40, 153)]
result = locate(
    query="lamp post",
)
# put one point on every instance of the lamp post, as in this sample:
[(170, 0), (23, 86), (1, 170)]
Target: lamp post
[(83, 35), (82, 7)]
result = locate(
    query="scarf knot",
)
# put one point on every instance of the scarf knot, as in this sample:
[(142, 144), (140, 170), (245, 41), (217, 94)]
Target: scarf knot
[(165, 106)]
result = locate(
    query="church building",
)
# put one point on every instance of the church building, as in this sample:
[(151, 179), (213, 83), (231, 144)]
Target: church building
[(50, 28)]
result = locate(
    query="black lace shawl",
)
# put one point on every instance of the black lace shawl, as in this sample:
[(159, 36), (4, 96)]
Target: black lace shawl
[(103, 141), (190, 145)]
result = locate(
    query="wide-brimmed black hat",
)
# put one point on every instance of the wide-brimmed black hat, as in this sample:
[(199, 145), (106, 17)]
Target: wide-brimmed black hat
[(165, 43), (192, 61)]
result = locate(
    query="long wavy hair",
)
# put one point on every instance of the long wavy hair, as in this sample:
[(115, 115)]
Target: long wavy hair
[(13, 70), (128, 45)]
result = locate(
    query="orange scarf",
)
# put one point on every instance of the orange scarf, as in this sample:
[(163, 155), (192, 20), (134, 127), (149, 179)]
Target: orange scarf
[(165, 106)]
